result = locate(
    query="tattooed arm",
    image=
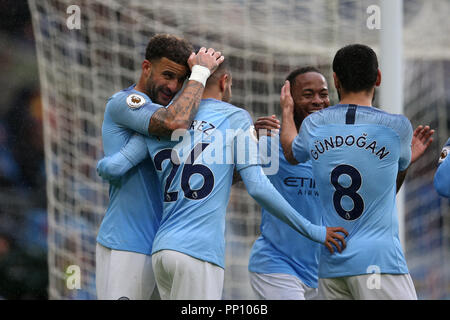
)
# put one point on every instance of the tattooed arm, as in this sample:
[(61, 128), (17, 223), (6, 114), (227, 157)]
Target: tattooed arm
[(181, 112)]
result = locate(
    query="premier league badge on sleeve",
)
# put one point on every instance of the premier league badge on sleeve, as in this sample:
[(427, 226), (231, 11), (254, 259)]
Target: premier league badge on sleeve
[(135, 101), (444, 154)]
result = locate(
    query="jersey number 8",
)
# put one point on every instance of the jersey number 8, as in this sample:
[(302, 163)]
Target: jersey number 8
[(349, 191)]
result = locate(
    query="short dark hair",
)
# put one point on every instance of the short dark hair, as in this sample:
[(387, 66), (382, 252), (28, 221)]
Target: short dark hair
[(169, 46), (356, 67), (302, 70), (223, 68)]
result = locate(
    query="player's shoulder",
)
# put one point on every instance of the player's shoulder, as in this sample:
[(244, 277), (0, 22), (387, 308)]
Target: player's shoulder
[(127, 98), (240, 115), (224, 106), (337, 114), (398, 122), (240, 112), (332, 114), (445, 152), (227, 109), (387, 115)]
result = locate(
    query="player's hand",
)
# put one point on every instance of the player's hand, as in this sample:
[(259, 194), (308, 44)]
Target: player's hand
[(422, 138), (333, 238), (210, 59), (286, 100), (102, 172), (269, 126)]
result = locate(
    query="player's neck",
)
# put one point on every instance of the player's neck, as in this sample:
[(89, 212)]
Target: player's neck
[(211, 94), (140, 86), (359, 98)]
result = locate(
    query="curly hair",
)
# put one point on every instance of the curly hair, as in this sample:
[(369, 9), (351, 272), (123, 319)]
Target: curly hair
[(168, 46)]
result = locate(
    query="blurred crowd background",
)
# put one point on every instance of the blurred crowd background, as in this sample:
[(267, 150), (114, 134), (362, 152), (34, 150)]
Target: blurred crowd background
[(23, 217)]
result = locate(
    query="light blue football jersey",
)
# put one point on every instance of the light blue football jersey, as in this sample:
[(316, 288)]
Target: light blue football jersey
[(135, 205), (279, 248), (442, 175), (356, 154), (196, 173)]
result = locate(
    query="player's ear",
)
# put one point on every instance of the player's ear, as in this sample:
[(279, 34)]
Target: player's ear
[(378, 82), (223, 81), (337, 85), (146, 67)]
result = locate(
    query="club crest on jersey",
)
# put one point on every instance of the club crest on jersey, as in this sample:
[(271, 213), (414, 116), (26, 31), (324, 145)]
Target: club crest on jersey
[(444, 154), (135, 101)]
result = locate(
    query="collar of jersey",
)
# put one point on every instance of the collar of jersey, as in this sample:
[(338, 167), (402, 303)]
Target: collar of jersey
[(359, 106)]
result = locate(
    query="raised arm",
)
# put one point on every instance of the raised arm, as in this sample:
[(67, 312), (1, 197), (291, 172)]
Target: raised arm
[(421, 140), (259, 187), (288, 129), (181, 112)]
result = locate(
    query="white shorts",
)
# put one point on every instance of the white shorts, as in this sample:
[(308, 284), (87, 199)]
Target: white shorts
[(182, 277), (123, 275), (280, 286), (368, 287)]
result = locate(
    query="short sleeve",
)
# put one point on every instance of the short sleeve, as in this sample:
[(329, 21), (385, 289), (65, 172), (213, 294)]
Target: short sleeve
[(245, 140), (132, 111), (300, 144), (405, 133)]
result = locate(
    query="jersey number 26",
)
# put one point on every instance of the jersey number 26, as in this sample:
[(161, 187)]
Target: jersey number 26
[(188, 170)]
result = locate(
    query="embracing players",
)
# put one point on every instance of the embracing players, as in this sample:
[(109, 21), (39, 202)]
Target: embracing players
[(278, 269), (125, 237), (196, 175), (357, 152)]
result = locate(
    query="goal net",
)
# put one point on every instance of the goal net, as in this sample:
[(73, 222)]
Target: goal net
[(83, 64)]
